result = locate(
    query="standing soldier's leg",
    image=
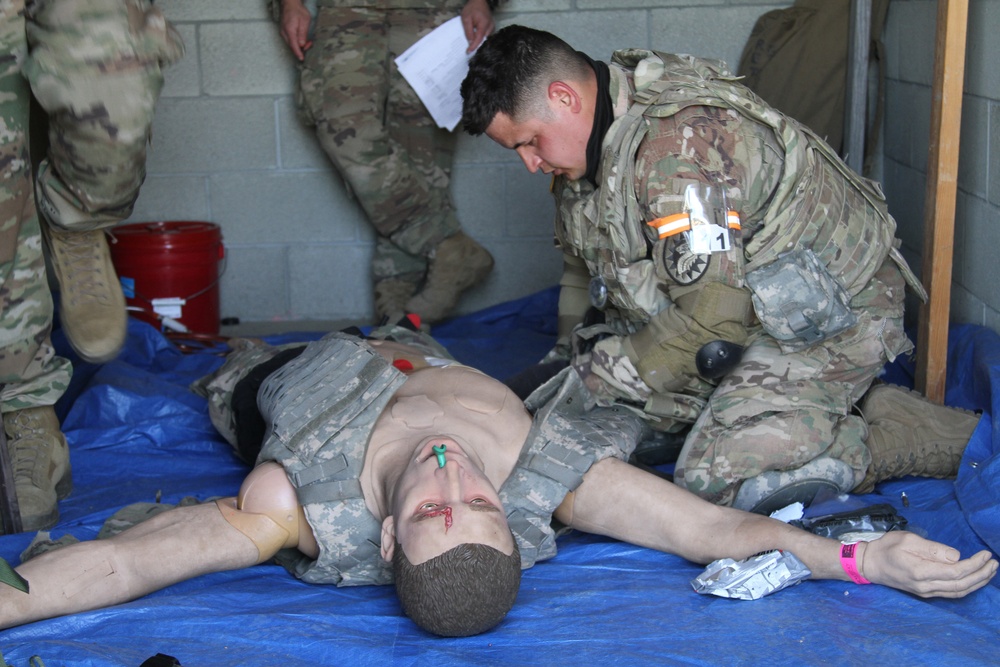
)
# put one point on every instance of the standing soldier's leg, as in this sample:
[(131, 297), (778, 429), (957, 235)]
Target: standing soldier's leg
[(32, 377), (456, 261), (95, 67), (349, 90), (398, 273)]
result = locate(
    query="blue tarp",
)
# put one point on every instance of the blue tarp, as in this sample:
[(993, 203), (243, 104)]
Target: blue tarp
[(137, 433)]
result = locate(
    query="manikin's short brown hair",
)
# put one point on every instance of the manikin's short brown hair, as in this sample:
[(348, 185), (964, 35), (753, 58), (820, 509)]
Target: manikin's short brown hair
[(464, 591)]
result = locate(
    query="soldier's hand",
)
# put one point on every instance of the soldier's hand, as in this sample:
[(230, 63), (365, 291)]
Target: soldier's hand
[(913, 564), (477, 20), (295, 20)]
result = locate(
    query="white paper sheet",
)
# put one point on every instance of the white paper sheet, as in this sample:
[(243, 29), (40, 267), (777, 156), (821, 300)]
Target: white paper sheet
[(435, 67)]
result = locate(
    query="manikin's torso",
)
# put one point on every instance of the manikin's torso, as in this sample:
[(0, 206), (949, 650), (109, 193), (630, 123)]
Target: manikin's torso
[(480, 413)]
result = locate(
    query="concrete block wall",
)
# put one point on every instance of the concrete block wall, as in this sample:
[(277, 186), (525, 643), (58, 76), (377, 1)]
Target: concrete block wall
[(228, 148), (909, 38)]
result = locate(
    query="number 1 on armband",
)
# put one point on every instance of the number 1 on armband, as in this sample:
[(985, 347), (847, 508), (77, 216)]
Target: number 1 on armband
[(704, 239)]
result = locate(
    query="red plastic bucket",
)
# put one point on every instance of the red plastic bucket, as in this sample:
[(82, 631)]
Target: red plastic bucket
[(170, 272)]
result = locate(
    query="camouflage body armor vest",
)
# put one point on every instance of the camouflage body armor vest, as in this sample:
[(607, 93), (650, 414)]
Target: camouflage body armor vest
[(565, 440), (820, 204), (322, 407)]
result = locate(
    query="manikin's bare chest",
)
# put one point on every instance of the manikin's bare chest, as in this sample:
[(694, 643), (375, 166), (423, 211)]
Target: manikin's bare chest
[(456, 401)]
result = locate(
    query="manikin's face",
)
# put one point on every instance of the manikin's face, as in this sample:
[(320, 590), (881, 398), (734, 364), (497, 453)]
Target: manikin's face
[(553, 144), (436, 509)]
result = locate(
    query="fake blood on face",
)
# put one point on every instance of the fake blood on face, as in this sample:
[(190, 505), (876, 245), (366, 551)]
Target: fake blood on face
[(446, 512)]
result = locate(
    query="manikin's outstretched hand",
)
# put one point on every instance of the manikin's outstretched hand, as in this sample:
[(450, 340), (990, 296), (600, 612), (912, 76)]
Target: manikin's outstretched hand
[(621, 501), (910, 563)]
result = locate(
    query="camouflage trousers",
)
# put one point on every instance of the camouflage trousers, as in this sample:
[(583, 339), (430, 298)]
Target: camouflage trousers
[(31, 374), (393, 158), (95, 68), (780, 411)]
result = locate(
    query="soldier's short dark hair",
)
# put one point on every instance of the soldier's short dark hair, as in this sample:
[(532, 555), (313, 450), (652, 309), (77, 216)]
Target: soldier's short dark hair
[(464, 591), (511, 72)]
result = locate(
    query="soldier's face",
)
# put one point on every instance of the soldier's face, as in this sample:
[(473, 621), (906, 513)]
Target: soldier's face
[(438, 508), (555, 144)]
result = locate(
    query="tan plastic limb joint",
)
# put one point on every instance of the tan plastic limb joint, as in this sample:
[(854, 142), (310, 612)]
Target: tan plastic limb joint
[(268, 512)]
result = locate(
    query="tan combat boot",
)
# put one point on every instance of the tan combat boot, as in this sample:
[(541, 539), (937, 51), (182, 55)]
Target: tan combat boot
[(457, 264), (92, 306), (40, 459), (910, 435), (391, 297)]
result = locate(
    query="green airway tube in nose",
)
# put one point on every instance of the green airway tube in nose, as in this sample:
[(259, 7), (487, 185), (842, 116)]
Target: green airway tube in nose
[(439, 451)]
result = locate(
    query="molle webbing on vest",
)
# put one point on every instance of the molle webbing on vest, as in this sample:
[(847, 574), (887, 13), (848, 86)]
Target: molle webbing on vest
[(821, 203), (343, 382), (325, 482), (322, 408), (564, 441)]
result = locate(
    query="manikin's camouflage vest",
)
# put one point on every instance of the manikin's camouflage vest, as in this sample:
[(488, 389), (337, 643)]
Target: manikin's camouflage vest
[(565, 440), (820, 204), (321, 408)]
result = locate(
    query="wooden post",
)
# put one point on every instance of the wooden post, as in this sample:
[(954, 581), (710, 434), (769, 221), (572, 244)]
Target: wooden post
[(942, 187)]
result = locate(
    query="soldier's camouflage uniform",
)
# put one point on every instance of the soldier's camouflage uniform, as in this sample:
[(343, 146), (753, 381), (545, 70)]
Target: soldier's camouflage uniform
[(393, 158), (94, 66), (814, 241), (320, 409), (31, 373)]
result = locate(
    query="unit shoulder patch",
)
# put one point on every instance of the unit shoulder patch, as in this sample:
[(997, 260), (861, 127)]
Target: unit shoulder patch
[(682, 265)]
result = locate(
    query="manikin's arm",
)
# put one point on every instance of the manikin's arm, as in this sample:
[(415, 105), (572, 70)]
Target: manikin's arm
[(170, 547), (624, 502)]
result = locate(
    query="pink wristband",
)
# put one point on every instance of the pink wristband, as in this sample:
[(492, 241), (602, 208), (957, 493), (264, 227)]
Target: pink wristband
[(849, 564)]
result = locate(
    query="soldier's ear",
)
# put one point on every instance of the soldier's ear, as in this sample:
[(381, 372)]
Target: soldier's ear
[(388, 538), (564, 95)]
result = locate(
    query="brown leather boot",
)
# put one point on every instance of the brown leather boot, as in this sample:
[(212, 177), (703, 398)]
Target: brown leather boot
[(910, 435), (457, 263), (40, 459), (92, 305)]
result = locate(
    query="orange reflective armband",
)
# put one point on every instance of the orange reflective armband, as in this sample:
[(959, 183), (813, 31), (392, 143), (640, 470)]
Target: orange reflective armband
[(681, 222)]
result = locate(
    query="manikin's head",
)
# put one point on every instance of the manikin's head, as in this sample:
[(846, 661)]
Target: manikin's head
[(456, 565), (531, 92)]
